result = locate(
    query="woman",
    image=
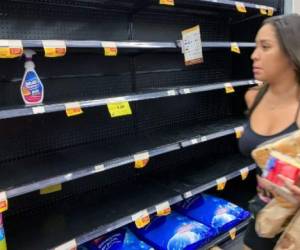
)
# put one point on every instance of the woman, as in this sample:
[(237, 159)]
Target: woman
[(274, 107)]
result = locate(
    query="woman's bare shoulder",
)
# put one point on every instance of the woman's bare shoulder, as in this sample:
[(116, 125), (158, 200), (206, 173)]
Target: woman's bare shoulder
[(250, 95)]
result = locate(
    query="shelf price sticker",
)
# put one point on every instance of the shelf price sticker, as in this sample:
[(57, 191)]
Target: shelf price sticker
[(167, 2), (240, 7), (141, 219), (270, 11), (51, 189), (73, 109), (141, 159), (99, 168), (54, 48), (235, 48), (239, 132), (194, 141), (163, 209), (11, 48), (192, 46), (70, 245), (203, 138), (244, 173), (188, 194), (38, 110), (118, 107), (110, 48), (221, 183), (3, 202), (229, 88), (232, 233), (186, 91), (263, 10)]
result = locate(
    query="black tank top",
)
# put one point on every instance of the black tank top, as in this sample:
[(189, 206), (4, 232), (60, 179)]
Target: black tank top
[(250, 139)]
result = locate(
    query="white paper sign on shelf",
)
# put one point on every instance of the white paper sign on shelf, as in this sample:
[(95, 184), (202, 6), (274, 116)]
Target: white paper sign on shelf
[(171, 92), (192, 46), (99, 168), (188, 194), (38, 110)]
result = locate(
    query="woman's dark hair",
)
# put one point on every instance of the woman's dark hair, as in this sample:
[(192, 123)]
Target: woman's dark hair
[(287, 29)]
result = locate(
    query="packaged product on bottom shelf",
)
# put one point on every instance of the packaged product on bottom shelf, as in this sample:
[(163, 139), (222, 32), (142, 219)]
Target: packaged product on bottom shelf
[(122, 239), (2, 234), (175, 232), (213, 212)]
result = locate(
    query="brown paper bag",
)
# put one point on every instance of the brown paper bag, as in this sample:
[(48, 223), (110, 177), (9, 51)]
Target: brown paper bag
[(290, 239), (273, 218), (288, 144)]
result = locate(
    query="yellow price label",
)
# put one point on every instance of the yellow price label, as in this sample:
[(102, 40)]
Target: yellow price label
[(240, 7), (229, 88), (244, 173), (163, 209), (54, 48), (117, 109), (239, 132), (141, 160), (110, 48), (51, 189), (221, 183), (141, 219), (270, 11), (167, 2), (11, 48), (3, 202), (262, 9), (232, 233), (73, 109), (235, 48)]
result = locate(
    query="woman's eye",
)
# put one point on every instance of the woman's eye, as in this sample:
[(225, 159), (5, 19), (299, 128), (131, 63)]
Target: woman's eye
[(265, 46)]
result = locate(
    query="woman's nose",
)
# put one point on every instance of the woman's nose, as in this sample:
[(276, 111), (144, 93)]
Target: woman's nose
[(254, 55)]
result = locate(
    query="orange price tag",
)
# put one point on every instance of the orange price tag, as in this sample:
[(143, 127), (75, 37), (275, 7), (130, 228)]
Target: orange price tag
[(54, 48), (167, 2), (3, 202), (244, 173), (229, 88), (11, 48), (235, 48), (141, 159), (221, 183), (110, 48), (51, 189), (240, 7), (262, 9), (141, 219), (239, 132), (232, 233), (73, 109), (163, 209)]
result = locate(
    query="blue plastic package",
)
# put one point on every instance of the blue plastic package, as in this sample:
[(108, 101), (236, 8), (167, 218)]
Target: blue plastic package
[(122, 239), (213, 212), (175, 232)]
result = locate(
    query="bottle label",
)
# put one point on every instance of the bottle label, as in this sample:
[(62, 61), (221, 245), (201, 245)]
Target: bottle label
[(32, 88)]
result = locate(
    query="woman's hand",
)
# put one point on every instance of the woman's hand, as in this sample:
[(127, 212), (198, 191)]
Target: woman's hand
[(293, 187)]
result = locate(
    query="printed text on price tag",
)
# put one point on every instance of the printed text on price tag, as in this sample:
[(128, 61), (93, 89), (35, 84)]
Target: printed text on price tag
[(110, 48), (3, 202), (141, 219), (73, 109), (163, 209), (221, 183), (11, 48)]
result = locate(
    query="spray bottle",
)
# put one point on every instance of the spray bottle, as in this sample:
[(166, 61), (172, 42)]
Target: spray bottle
[(32, 89)]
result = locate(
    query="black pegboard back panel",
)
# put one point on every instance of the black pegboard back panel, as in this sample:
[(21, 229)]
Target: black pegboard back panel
[(52, 132), (32, 21), (181, 111), (168, 27), (171, 71)]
